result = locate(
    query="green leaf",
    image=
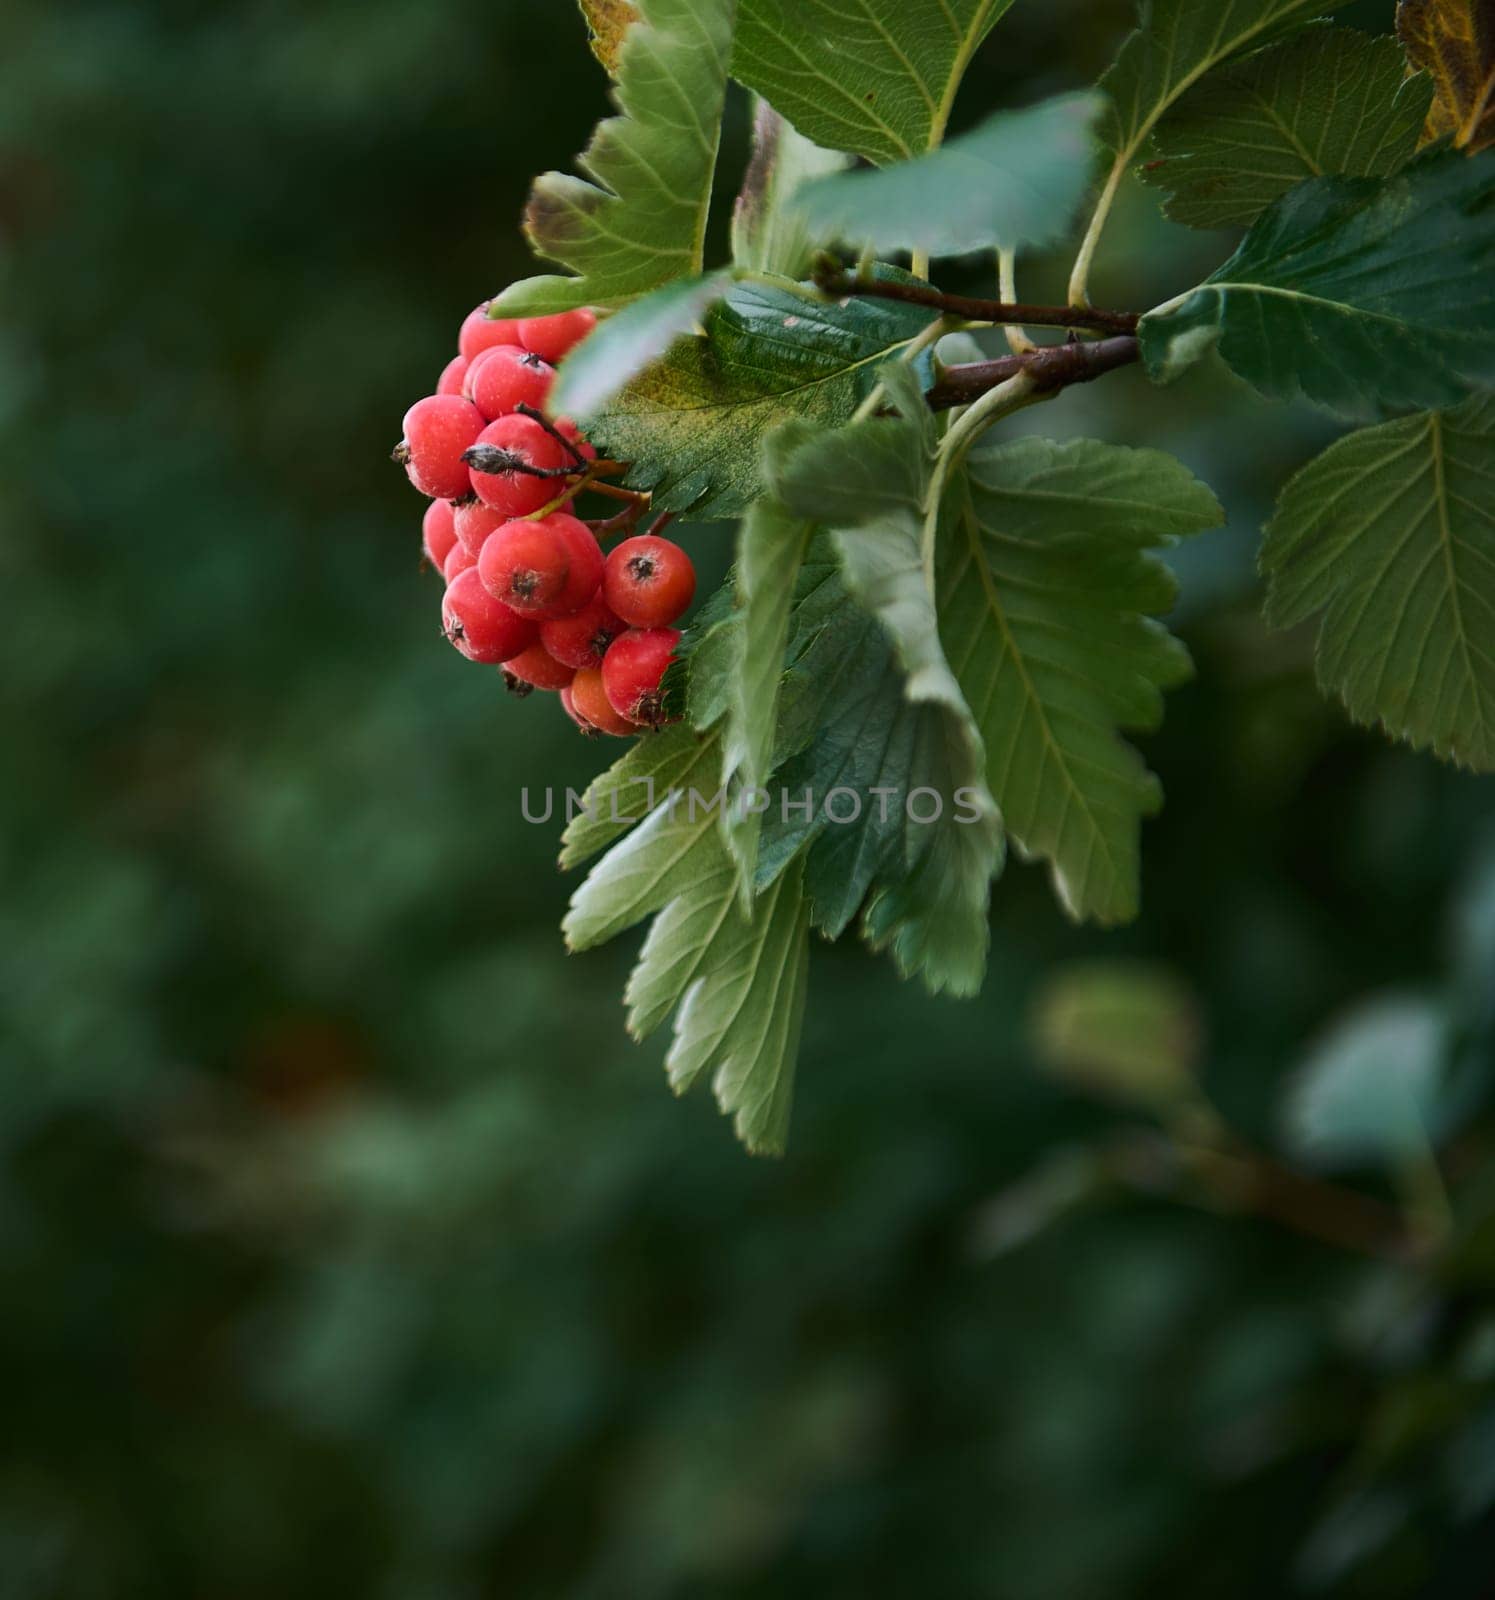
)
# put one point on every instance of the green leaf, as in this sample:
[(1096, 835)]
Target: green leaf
[(771, 548), (1175, 45), (1390, 533), (1015, 180), (854, 746), (1454, 40), (867, 483), (844, 725), (674, 758), (1127, 1030), (743, 1008), (738, 978), (630, 339), (877, 78), (1372, 1090), (768, 233), (1326, 101), (1046, 595), (1360, 293), (694, 423), (638, 218), (649, 866)]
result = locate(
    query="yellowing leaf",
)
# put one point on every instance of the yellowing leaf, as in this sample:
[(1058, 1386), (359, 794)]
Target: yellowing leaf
[(607, 22), (1454, 40)]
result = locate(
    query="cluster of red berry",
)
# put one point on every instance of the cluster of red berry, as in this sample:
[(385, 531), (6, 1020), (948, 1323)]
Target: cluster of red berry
[(528, 586)]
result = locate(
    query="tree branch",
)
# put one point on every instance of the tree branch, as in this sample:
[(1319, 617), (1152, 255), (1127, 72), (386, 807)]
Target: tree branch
[(1054, 366), (842, 285)]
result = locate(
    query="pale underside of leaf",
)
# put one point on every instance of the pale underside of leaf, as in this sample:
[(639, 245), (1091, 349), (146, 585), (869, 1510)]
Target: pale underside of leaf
[(741, 1015), (1046, 603), (1390, 533), (874, 77), (771, 549), (1324, 101), (638, 217), (675, 758), (1015, 180), (737, 975)]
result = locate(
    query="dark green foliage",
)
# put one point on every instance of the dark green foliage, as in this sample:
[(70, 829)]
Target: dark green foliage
[(348, 1247)]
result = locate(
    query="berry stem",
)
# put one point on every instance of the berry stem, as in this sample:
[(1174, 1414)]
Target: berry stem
[(526, 410), (615, 491), (624, 522)]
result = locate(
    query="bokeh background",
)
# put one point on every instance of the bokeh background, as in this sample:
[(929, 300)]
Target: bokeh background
[(346, 1246)]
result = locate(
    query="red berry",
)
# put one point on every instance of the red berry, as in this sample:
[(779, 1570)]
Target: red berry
[(552, 337), (589, 701), (648, 581), (632, 670), (457, 560), (481, 332), (472, 522), (437, 532), (504, 378), (568, 705), (566, 427), (585, 556), (581, 640), (452, 374), (538, 668), (525, 565), (435, 433), (479, 626), (517, 494)]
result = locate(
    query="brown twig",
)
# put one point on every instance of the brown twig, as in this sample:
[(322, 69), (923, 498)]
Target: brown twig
[(1244, 1179), (1055, 366), (973, 309)]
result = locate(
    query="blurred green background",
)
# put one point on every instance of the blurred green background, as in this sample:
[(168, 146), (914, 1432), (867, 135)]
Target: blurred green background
[(346, 1246)]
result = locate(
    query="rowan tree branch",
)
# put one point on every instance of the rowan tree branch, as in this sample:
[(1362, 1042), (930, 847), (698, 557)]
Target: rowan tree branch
[(1054, 366), (842, 284)]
